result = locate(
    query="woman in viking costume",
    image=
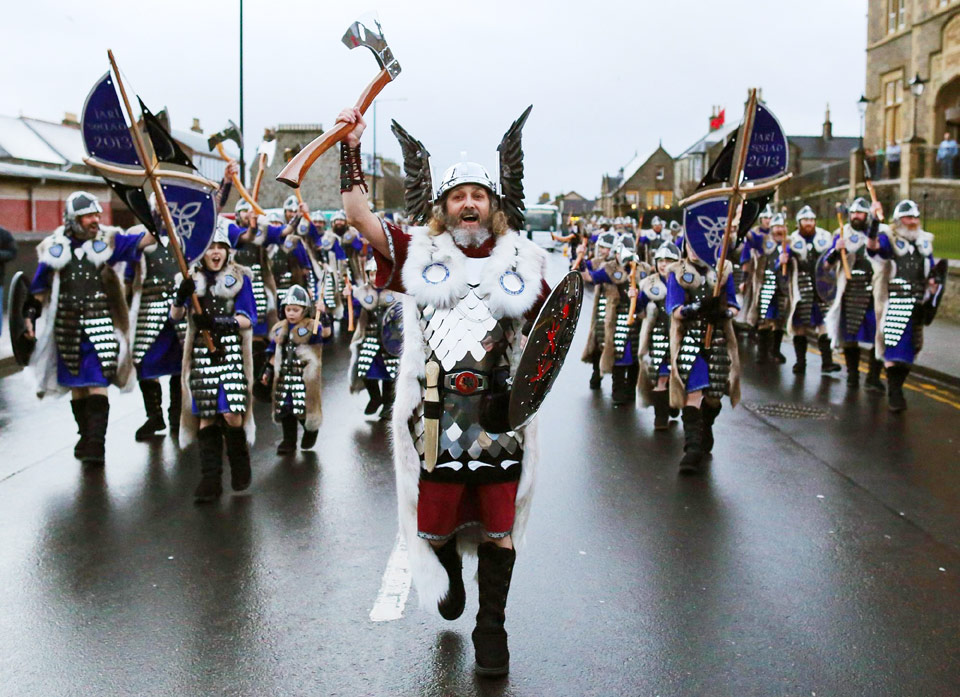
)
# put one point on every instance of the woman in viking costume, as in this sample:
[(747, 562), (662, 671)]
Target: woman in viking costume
[(464, 479), (766, 288), (851, 320), (377, 342), (700, 376), (247, 239), (294, 369), (654, 339), (806, 316), (592, 352), (83, 345), (217, 385), (907, 290)]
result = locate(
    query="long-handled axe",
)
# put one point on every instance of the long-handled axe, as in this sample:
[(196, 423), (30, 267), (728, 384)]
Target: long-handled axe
[(265, 153), (357, 35), (231, 132)]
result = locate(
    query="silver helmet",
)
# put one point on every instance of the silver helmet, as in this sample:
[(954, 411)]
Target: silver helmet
[(656, 221), (675, 227), (339, 215), (296, 295), (806, 213), (767, 212), (78, 204), (607, 240), (906, 208), (370, 266), (220, 234), (859, 205), (291, 203), (242, 205), (778, 219), (668, 250), (465, 173), (274, 217)]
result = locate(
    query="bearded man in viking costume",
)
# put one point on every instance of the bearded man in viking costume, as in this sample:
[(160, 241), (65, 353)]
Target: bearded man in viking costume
[(82, 346), (654, 348), (851, 320), (471, 283), (907, 290), (766, 288), (217, 385)]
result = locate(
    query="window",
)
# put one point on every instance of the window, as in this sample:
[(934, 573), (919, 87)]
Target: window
[(892, 102), (660, 173), (896, 15)]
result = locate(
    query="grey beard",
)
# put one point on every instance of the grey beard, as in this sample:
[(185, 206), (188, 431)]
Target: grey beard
[(469, 238), (907, 234)]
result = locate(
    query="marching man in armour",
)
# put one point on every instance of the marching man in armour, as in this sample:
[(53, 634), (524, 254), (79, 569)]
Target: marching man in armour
[(472, 284), (655, 336), (766, 286), (83, 347), (592, 352)]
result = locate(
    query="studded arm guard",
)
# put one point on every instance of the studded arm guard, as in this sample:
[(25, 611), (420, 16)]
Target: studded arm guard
[(351, 170)]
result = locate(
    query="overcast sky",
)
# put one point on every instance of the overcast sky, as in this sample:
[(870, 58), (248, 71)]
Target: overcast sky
[(607, 79)]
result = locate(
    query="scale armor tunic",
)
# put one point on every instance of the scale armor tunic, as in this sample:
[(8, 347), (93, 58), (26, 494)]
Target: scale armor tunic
[(249, 255), (383, 317), (84, 312), (691, 346), (224, 369), (858, 292), (291, 392), (156, 296), (805, 254), (906, 290), (659, 336), (771, 289)]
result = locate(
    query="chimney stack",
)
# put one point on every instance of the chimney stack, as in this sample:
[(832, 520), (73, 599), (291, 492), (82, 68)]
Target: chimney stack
[(827, 126), (196, 126)]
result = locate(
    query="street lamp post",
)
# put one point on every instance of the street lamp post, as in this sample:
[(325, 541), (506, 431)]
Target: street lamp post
[(862, 109), (916, 89)]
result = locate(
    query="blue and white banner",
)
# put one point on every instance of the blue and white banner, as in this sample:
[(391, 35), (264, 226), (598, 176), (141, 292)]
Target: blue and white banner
[(768, 154), (194, 214), (104, 129), (703, 227)]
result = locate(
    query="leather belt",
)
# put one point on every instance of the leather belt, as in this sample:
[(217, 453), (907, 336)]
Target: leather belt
[(466, 382)]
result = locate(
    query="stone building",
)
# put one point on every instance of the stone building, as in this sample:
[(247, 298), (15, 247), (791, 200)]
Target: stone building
[(320, 188), (639, 185)]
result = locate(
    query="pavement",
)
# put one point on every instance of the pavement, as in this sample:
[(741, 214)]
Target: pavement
[(820, 555)]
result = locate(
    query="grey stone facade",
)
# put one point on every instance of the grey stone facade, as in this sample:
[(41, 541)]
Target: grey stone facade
[(321, 187)]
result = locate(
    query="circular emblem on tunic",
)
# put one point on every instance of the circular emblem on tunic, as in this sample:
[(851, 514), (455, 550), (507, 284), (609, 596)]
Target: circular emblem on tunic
[(655, 291), (769, 245), (288, 243), (99, 246), (389, 297), (56, 250), (368, 299), (436, 273), (618, 275), (302, 331), (901, 244), (511, 282), (229, 281), (277, 333), (854, 237), (687, 277)]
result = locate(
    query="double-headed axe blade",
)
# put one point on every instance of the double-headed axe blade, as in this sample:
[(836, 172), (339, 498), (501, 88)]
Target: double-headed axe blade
[(359, 35), (231, 132), (268, 148)]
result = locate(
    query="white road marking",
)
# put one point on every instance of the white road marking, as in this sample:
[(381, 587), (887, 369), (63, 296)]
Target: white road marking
[(395, 586)]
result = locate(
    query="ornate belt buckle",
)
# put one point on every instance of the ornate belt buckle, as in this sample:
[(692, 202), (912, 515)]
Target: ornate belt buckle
[(467, 382)]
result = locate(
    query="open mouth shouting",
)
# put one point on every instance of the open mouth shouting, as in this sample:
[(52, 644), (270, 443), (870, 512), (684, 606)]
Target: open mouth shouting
[(470, 217)]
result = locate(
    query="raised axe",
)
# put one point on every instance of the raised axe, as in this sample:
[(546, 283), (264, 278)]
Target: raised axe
[(868, 180), (265, 153), (215, 142), (841, 243), (357, 35)]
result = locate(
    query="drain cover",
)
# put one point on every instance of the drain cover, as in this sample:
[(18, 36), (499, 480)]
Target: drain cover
[(786, 410)]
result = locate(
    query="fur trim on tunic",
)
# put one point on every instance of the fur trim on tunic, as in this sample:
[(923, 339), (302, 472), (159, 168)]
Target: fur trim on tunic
[(429, 576), (190, 422), (650, 315), (797, 244), (590, 349), (311, 355), (885, 269), (612, 292)]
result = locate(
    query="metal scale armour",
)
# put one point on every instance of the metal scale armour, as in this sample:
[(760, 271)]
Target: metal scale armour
[(83, 311), (280, 266), (806, 273), (373, 338), (156, 296), (858, 292), (601, 318), (249, 255), (291, 395), (468, 338), (906, 292), (718, 358), (223, 369), (659, 341), (768, 287), (624, 333)]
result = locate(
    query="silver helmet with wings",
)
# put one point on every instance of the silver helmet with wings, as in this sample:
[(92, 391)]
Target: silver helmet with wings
[(420, 196)]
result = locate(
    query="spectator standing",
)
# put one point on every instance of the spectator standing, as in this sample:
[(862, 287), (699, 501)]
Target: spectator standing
[(893, 160), (946, 155)]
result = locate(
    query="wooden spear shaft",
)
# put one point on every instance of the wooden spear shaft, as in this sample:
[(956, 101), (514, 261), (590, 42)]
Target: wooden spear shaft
[(150, 167), (843, 247)]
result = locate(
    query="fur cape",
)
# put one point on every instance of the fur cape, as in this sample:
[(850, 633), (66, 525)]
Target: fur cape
[(856, 244), (612, 292), (312, 357), (611, 266), (189, 422), (369, 298), (266, 271), (798, 248), (753, 282), (651, 287), (678, 391), (511, 252), (325, 261), (54, 251), (885, 269)]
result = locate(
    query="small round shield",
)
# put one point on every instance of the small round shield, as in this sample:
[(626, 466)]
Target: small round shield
[(546, 349), (391, 329), (826, 279), (21, 343)]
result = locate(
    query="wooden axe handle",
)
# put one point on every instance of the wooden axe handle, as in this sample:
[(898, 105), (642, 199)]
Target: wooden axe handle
[(240, 187), (843, 249), (633, 301), (260, 167), (292, 175)]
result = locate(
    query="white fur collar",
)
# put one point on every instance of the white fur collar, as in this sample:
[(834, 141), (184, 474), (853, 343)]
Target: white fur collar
[(653, 287), (853, 240), (56, 252), (821, 241), (904, 241), (227, 283)]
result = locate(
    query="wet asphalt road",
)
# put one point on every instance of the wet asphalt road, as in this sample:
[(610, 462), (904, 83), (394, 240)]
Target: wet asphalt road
[(817, 557)]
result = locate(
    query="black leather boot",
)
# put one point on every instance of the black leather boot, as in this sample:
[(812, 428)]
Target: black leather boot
[(153, 405), (210, 445), (800, 346), (79, 407), (708, 413), (389, 392), (692, 441), (851, 356), (309, 438), (451, 607), (896, 376), (238, 455), (373, 389), (595, 376), (873, 383), (763, 346), (494, 571), (776, 339), (661, 410), (827, 364), (95, 435), (176, 403), (289, 443), (622, 394)]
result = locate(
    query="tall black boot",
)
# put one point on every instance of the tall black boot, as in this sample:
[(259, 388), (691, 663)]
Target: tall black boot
[(389, 392), (153, 405), (176, 403), (289, 443), (692, 440), (763, 346), (595, 376), (827, 364), (709, 413), (851, 356), (210, 445), (622, 394), (238, 455), (776, 339), (309, 438), (800, 346), (661, 410), (95, 435), (79, 407), (373, 389), (896, 376), (451, 607), (873, 383), (494, 571)]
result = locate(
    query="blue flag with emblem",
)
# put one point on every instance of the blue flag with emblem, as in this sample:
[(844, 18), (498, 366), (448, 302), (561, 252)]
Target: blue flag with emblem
[(703, 227), (194, 212)]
